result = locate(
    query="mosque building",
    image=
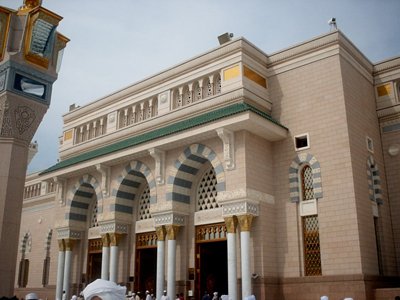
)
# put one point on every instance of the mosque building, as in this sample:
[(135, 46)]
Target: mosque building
[(236, 171)]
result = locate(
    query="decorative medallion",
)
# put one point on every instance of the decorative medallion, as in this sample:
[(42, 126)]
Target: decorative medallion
[(24, 117)]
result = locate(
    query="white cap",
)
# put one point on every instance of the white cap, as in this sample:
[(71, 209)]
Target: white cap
[(348, 298), (324, 298), (31, 296), (105, 289)]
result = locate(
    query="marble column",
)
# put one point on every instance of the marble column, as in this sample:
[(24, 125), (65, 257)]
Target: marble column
[(60, 269), (245, 225), (114, 238), (69, 244), (105, 257), (160, 261), (231, 226), (172, 232)]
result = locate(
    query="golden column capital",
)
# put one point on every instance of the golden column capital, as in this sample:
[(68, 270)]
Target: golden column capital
[(245, 222), (231, 224), (172, 231), (114, 238), (69, 244), (105, 239), (61, 245), (160, 231)]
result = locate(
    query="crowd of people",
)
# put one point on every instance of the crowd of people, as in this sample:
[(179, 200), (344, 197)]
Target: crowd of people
[(101, 289)]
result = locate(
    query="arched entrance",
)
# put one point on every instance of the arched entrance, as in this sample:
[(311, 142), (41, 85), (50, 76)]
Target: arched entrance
[(146, 262), (211, 260)]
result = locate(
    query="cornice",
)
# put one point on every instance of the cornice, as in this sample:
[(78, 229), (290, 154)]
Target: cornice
[(317, 44), (387, 65)]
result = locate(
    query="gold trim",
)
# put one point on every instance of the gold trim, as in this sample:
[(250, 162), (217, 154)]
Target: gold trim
[(384, 90), (115, 238), (231, 224), (146, 240), (231, 73), (105, 240), (255, 77), (172, 231), (161, 233), (4, 33), (69, 244), (29, 5), (34, 15), (245, 222), (61, 245), (68, 134)]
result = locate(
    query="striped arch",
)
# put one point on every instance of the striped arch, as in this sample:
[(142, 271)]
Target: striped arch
[(83, 192), (374, 181), (26, 244), (294, 180), (186, 168), (129, 183), (47, 242)]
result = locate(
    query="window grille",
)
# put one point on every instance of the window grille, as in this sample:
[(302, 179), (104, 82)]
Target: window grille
[(312, 253), (311, 245), (146, 240), (93, 220), (211, 232), (207, 191), (144, 204)]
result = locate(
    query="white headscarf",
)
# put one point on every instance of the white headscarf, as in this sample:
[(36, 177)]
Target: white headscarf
[(106, 290)]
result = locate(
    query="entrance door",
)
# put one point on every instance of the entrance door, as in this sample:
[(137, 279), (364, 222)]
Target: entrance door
[(212, 268), (146, 270), (94, 266)]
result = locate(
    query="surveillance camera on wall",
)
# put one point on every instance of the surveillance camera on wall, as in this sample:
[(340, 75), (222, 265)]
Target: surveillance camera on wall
[(332, 21), (254, 275)]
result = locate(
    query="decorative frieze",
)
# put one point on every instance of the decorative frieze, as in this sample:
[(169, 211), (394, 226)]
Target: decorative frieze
[(67, 233), (168, 218), (243, 194), (113, 227)]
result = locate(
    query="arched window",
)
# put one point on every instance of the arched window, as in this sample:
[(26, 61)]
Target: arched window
[(310, 227), (207, 191), (26, 245), (144, 204)]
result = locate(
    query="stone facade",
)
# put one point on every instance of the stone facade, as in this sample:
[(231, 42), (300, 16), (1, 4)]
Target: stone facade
[(280, 169)]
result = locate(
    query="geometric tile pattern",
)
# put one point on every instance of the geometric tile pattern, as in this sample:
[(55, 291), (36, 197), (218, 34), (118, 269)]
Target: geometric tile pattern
[(144, 204), (207, 191), (294, 173), (179, 186), (312, 253)]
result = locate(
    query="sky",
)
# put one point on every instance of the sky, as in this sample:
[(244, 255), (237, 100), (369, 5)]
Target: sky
[(117, 43)]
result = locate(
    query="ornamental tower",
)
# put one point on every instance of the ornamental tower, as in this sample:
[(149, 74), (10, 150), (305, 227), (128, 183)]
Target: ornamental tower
[(30, 57)]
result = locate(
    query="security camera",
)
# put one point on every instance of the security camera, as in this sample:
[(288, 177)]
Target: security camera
[(254, 275), (332, 21)]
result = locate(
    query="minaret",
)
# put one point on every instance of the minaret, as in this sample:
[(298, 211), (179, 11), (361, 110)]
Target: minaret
[(30, 56)]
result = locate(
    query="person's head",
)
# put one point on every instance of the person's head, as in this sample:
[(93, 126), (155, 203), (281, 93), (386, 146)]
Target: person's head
[(165, 292), (101, 289), (147, 292), (31, 296)]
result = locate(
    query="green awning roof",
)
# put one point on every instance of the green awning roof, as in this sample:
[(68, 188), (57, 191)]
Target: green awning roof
[(161, 132)]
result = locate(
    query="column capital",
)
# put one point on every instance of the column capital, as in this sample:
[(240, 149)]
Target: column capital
[(115, 238), (161, 233), (231, 224), (61, 245), (69, 244), (245, 222), (105, 239), (172, 231)]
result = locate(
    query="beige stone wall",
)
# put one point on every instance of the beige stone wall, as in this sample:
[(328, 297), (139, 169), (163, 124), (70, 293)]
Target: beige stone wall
[(309, 99), (362, 122), (392, 164)]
